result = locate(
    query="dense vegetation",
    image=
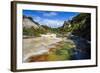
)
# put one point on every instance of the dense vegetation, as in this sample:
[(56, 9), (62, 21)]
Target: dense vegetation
[(82, 26), (33, 32)]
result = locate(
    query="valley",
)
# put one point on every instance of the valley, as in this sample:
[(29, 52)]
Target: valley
[(72, 41)]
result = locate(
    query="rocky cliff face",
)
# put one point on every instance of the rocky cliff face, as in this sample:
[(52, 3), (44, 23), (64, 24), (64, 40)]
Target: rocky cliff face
[(32, 28), (28, 22), (84, 25), (80, 25), (66, 24)]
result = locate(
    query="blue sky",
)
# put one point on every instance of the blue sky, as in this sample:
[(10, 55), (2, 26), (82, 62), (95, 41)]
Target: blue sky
[(50, 18)]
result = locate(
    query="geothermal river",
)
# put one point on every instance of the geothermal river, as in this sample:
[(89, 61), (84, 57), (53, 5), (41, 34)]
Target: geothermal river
[(38, 45)]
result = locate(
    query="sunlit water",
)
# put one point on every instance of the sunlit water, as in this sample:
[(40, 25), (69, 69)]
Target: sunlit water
[(37, 46)]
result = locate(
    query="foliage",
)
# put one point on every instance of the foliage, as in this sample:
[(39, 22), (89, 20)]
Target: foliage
[(82, 25), (33, 32)]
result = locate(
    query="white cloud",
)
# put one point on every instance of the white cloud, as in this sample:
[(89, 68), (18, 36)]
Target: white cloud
[(49, 22), (37, 19), (49, 14), (52, 23)]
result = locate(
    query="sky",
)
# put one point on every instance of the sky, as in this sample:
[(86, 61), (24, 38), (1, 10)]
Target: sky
[(52, 19)]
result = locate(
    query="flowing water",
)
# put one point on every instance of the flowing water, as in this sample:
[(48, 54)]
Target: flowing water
[(52, 48)]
